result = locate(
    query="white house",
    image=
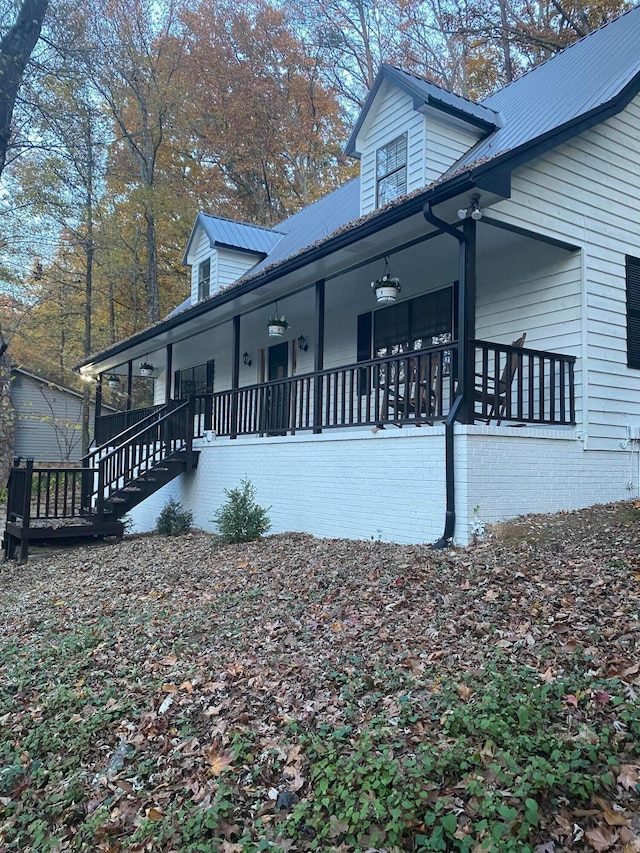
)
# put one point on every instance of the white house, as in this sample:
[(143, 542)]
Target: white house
[(419, 419)]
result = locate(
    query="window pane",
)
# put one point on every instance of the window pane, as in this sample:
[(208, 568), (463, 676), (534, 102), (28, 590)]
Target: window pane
[(392, 186), (391, 156)]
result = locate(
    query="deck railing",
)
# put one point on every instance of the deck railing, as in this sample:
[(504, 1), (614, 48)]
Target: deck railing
[(416, 387), (51, 493)]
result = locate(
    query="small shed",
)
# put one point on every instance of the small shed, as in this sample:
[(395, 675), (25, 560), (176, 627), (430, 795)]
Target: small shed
[(48, 418)]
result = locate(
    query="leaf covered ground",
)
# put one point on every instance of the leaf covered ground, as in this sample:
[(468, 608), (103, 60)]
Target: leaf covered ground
[(292, 694)]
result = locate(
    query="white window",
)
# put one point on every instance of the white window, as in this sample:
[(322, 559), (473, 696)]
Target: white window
[(391, 170), (204, 279)]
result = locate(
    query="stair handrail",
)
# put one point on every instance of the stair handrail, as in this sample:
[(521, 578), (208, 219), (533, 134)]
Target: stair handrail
[(130, 440), (103, 461), (120, 437)]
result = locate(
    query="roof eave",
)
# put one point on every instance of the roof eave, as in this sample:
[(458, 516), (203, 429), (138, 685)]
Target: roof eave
[(457, 184)]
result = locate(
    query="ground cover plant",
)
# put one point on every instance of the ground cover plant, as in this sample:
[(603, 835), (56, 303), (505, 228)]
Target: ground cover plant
[(296, 694)]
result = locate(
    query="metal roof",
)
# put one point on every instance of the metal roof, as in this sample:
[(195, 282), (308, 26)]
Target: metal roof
[(572, 84), (314, 223), (235, 235), (424, 94)]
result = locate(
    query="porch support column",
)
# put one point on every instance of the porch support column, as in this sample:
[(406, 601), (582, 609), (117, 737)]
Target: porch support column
[(98, 406), (169, 369), (235, 375), (467, 317), (129, 383), (318, 360)]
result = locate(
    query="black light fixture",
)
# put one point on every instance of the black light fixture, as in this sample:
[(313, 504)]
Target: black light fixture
[(303, 346), (246, 359)]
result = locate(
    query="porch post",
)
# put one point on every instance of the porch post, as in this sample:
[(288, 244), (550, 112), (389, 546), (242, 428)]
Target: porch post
[(169, 368), (467, 317), (98, 406), (318, 360), (235, 375), (129, 383)]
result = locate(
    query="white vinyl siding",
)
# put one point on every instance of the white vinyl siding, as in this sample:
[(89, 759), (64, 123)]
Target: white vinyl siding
[(232, 266), (392, 115), (586, 191), (201, 251), (446, 142)]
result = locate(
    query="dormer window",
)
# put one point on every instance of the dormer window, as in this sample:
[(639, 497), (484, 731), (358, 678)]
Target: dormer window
[(391, 170), (204, 279)]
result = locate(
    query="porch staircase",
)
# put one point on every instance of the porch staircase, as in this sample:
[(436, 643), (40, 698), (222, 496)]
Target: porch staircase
[(55, 504)]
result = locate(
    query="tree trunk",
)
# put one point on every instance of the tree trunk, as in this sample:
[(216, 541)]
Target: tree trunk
[(153, 296), (15, 50)]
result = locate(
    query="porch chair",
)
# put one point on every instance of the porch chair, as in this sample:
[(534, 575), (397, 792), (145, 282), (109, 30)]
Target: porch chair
[(496, 396), (414, 396)]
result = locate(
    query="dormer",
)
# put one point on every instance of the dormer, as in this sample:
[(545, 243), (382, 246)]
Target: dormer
[(409, 133), (220, 251)]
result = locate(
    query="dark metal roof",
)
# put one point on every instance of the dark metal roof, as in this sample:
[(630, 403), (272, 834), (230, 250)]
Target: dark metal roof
[(315, 222), (424, 94), (235, 235), (575, 83)]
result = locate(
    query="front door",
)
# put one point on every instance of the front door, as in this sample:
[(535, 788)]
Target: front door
[(278, 394)]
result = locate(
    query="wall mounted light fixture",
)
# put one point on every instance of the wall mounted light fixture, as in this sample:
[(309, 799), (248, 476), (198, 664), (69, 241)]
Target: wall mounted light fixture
[(303, 346), (474, 210), (246, 359)]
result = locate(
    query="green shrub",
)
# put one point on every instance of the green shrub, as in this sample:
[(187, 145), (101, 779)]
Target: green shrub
[(240, 519), (174, 520)]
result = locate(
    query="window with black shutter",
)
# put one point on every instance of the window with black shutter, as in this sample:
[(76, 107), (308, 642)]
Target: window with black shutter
[(633, 311)]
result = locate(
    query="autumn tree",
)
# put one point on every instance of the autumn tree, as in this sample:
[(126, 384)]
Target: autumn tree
[(133, 54), (268, 131)]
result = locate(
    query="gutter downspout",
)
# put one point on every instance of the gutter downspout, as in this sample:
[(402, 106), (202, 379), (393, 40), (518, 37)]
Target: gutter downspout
[(450, 512)]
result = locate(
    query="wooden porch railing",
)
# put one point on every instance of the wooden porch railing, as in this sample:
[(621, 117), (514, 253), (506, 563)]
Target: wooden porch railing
[(409, 388), (47, 493), (109, 426), (167, 430), (524, 385), (417, 387)]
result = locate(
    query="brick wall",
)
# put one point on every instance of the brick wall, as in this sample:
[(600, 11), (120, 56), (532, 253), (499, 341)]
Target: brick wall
[(390, 484), (387, 485)]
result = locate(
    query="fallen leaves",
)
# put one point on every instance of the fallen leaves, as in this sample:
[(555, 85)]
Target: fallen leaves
[(204, 659)]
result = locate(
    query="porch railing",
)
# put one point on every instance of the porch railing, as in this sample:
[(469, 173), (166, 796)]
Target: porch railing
[(524, 385), (109, 426), (416, 387), (409, 388)]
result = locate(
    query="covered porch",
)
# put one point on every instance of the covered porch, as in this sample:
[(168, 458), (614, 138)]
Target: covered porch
[(471, 294)]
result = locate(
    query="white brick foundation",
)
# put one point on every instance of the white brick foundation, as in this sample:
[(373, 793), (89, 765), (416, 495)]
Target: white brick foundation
[(390, 484)]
